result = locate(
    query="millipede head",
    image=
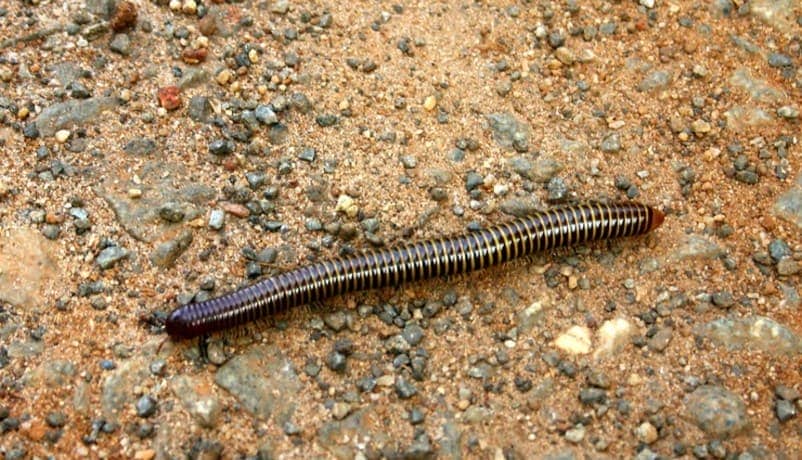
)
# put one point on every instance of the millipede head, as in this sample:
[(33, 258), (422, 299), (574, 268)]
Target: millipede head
[(177, 326)]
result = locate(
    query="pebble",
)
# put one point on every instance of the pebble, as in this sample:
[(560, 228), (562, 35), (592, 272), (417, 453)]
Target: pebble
[(590, 396), (509, 132), (216, 219), (779, 60), (266, 115), (340, 410), (788, 112), (752, 332), (660, 340), (784, 410), (223, 77), (611, 143), (430, 103), (723, 299), (140, 146), (779, 249), (646, 433), (613, 335), (656, 80), (717, 411), (221, 147), (788, 267), (146, 406), (789, 204), (347, 206), (307, 154), (336, 361), (110, 256), (167, 253), (336, 320), (575, 434), (62, 135), (404, 389), (326, 120), (200, 109), (413, 334), (473, 180), (700, 127), (521, 207), (557, 189), (121, 44), (575, 340), (542, 170)]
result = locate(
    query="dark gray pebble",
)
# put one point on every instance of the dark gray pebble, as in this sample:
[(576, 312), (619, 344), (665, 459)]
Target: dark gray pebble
[(146, 406), (307, 154), (784, 410), (51, 231), (557, 189), (336, 361), (779, 249), (326, 120), (171, 212), (404, 389), (221, 147), (779, 60), (253, 270), (255, 179), (473, 180), (591, 395), (121, 44), (366, 384), (723, 299), (344, 346), (413, 334), (56, 419), (141, 146), (200, 109), (266, 115), (291, 429), (416, 416)]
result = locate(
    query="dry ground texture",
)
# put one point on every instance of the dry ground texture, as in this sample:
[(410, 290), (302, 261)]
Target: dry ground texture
[(154, 153)]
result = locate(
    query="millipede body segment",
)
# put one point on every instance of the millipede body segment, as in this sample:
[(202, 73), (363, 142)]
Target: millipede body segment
[(393, 266)]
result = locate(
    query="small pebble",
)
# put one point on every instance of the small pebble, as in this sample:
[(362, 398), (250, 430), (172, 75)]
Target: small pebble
[(216, 219), (62, 135), (646, 433), (146, 406)]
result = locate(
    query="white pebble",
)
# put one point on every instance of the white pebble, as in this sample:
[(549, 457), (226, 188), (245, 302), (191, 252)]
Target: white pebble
[(62, 135), (575, 340)]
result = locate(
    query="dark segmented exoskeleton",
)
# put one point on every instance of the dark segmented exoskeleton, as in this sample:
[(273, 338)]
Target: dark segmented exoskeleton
[(393, 266)]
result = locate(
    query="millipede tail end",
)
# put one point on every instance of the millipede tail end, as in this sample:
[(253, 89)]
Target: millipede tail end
[(657, 218)]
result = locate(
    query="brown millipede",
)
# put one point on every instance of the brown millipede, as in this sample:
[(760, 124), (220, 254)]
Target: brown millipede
[(393, 266)]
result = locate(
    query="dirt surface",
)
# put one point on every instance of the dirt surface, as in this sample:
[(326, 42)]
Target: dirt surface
[(157, 153)]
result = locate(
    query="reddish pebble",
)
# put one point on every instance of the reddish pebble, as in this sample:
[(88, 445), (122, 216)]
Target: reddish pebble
[(124, 16), (230, 163), (169, 97), (53, 218), (207, 25), (235, 209), (194, 55)]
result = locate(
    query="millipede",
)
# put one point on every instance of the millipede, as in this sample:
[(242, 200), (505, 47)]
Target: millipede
[(393, 266)]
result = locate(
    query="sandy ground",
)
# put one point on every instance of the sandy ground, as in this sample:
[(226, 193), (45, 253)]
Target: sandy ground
[(687, 106)]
